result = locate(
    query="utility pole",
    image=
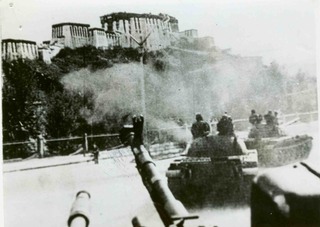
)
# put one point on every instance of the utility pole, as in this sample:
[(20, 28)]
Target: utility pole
[(142, 86), (142, 80), (141, 51), (143, 91)]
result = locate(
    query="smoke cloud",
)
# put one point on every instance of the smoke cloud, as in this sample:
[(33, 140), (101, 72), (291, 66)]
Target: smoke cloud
[(188, 85)]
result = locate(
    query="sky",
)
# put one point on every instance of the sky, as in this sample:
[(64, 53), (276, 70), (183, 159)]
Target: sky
[(282, 31)]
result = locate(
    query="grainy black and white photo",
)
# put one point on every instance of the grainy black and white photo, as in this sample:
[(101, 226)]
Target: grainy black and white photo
[(160, 113)]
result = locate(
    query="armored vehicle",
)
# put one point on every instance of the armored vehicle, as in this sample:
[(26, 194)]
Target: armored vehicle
[(275, 148), (287, 196), (216, 168)]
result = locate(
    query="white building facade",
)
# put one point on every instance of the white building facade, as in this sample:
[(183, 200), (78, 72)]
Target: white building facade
[(98, 38), (154, 31), (13, 49), (72, 35), (127, 30)]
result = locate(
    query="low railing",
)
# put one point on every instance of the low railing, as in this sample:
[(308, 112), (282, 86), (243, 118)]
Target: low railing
[(42, 147)]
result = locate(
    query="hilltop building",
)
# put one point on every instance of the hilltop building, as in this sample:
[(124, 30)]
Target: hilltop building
[(101, 39), (127, 30), (189, 39), (98, 38), (74, 35), (189, 34), (132, 28), (71, 35), (12, 49)]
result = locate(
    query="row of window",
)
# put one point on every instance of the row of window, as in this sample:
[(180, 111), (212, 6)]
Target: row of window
[(113, 39), (75, 31), (56, 32), (98, 32), (24, 47), (190, 32), (111, 36), (137, 24), (79, 31)]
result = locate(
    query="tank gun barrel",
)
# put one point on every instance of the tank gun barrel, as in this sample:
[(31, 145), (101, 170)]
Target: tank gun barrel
[(171, 211), (80, 210)]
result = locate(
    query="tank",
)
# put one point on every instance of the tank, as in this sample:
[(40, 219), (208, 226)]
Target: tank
[(216, 170), (275, 148), (287, 196)]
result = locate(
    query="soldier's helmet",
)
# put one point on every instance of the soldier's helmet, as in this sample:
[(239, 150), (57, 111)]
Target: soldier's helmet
[(199, 117)]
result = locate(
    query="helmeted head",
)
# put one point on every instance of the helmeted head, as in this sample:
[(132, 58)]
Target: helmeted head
[(269, 112), (253, 111), (199, 117)]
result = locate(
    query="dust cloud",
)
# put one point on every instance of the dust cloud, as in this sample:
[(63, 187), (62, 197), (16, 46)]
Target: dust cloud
[(188, 84)]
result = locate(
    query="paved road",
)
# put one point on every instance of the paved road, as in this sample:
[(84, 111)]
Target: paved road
[(43, 197)]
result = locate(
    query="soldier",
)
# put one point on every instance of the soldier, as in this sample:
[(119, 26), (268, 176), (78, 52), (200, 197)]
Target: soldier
[(95, 151), (260, 119), (276, 119), (200, 128), (225, 126), (253, 119), (269, 118)]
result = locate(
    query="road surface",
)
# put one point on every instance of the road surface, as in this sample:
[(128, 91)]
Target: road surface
[(43, 197)]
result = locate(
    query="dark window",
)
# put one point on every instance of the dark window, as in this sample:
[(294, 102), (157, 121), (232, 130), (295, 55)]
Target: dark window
[(117, 25), (139, 23), (135, 24)]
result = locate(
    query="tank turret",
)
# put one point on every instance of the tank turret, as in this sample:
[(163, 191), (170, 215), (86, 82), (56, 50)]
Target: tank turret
[(216, 169), (275, 148)]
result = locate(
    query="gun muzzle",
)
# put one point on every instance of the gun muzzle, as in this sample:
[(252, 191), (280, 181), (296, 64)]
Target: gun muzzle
[(80, 210), (136, 222)]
